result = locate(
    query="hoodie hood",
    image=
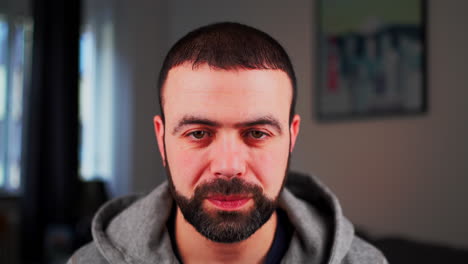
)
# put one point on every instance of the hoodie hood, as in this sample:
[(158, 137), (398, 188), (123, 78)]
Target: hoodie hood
[(316, 214), (133, 229)]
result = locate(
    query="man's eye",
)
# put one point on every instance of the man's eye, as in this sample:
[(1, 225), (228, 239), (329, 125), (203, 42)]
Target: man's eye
[(256, 134), (199, 134)]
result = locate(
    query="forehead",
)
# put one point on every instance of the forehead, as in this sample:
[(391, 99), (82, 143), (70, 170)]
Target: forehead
[(226, 94)]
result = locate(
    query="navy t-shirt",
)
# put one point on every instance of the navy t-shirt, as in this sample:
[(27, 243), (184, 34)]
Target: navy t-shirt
[(282, 238)]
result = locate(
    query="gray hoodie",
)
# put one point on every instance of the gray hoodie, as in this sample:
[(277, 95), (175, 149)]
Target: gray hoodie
[(133, 229)]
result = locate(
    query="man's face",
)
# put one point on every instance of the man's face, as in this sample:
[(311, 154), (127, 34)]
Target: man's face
[(227, 140)]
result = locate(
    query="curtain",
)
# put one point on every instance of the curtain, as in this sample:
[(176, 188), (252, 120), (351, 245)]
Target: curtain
[(50, 140)]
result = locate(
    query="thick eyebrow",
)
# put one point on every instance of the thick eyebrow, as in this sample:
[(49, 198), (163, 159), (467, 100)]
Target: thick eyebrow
[(264, 120), (194, 120)]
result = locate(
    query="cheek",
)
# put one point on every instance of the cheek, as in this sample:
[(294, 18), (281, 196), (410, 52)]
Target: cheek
[(270, 166), (186, 166)]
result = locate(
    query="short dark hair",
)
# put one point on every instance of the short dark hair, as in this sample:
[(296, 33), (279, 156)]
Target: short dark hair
[(227, 46)]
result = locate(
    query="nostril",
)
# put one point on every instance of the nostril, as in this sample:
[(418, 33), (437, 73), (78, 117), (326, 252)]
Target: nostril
[(228, 175)]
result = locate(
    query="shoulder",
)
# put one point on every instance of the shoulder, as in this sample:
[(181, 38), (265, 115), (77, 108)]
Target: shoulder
[(88, 254), (364, 253)]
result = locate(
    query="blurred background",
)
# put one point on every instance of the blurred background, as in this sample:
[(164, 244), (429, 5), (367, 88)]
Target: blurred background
[(78, 94)]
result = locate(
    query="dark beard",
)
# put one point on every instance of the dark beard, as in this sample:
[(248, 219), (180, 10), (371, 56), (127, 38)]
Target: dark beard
[(225, 226)]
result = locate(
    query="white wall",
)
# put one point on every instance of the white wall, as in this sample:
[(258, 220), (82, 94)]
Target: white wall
[(145, 44), (140, 44), (403, 175), (393, 176)]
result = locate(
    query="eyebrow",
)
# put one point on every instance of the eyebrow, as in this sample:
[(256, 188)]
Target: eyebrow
[(264, 120), (194, 120)]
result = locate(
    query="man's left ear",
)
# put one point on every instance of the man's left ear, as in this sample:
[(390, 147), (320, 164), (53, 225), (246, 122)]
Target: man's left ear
[(294, 130)]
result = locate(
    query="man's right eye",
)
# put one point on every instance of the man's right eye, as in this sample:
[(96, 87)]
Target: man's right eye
[(198, 134)]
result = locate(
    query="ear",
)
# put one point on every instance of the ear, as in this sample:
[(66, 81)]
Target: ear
[(294, 130), (159, 131)]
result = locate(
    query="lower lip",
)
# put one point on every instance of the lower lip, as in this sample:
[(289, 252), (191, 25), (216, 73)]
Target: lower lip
[(229, 204)]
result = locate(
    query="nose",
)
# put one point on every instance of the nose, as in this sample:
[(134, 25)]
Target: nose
[(228, 157)]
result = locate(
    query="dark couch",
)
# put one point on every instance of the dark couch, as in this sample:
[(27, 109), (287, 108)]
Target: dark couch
[(404, 251)]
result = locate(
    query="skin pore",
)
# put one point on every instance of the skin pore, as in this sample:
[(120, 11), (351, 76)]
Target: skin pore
[(226, 124)]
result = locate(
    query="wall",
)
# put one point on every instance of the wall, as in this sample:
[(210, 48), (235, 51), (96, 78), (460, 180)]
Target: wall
[(139, 35), (402, 175), (143, 41), (15, 7), (393, 176)]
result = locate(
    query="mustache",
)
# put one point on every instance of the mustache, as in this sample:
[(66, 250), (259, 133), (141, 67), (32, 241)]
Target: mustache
[(221, 186)]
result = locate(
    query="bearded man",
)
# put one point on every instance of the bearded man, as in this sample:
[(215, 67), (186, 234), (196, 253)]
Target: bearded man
[(227, 127)]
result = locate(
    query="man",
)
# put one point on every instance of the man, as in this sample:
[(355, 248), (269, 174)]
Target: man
[(227, 127)]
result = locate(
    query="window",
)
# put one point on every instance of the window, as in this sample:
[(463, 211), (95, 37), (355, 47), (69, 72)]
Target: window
[(96, 101), (15, 55)]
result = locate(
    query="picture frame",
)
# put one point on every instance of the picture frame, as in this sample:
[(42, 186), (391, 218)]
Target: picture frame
[(371, 59)]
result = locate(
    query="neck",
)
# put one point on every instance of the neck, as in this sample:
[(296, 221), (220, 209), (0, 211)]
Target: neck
[(195, 248)]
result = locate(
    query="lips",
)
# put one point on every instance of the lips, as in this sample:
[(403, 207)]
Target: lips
[(230, 202)]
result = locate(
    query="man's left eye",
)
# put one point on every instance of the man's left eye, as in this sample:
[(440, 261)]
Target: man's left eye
[(256, 134)]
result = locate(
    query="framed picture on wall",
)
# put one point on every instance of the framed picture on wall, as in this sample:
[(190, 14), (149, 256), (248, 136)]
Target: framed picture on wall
[(371, 59)]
